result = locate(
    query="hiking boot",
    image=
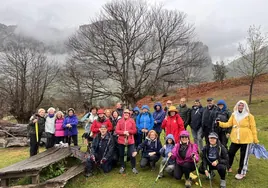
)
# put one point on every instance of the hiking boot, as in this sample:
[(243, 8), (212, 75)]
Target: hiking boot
[(223, 184), (188, 183), (135, 171), (160, 175), (239, 176), (122, 170)]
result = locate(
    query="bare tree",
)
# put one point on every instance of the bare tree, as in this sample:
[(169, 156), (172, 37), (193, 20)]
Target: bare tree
[(219, 72), (254, 57), (27, 74), (134, 46)]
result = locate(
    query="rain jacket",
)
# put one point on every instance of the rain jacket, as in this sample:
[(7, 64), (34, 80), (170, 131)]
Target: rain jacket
[(164, 152), (126, 125), (145, 121), (96, 125), (191, 149), (150, 146), (73, 121), (159, 117), (173, 125)]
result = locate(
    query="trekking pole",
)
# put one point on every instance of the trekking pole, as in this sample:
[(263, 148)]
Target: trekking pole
[(210, 179), (161, 170), (126, 148), (197, 172), (37, 135)]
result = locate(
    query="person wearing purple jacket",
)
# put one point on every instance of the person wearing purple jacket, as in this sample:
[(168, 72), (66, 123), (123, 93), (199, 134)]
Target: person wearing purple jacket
[(70, 127), (159, 116), (183, 153)]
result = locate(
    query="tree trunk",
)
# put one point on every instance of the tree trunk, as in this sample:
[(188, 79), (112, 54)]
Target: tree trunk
[(251, 90), (187, 92)]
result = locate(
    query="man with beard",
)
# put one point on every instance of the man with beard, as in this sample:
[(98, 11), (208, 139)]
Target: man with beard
[(207, 120), (184, 112)]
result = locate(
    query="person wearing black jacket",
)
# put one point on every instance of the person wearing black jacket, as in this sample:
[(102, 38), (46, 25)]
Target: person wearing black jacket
[(207, 119), (102, 152), (196, 123), (184, 112), (215, 157), (221, 114)]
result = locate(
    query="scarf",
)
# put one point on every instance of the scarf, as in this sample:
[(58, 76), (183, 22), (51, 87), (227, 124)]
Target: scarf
[(241, 115)]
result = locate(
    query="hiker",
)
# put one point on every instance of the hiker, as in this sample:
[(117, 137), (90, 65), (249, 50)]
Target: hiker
[(115, 118), (207, 120), (150, 150), (184, 112), (215, 157), (131, 112), (243, 134), (108, 113), (173, 124), (59, 130), (196, 123), (159, 116), (125, 129), (168, 104), (70, 127), (183, 153), (136, 112), (119, 109), (222, 113), (145, 123), (101, 120), (36, 121), (101, 152), (50, 127), (164, 151)]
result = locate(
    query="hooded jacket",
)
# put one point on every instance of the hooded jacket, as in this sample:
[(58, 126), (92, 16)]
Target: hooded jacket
[(126, 125), (173, 125), (73, 121), (196, 118), (97, 124), (145, 120), (222, 155), (185, 113), (59, 130), (134, 116), (159, 117), (41, 124), (207, 119), (243, 126), (164, 152), (150, 146)]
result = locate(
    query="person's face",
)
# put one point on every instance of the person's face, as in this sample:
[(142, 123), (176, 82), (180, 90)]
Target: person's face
[(241, 107), (126, 115), (59, 116), (157, 108), (182, 102), (103, 131), (184, 139), (42, 113), (220, 106), (118, 105), (108, 113), (169, 141), (101, 115), (115, 115), (94, 111), (169, 104), (212, 141), (144, 110), (70, 113), (172, 113), (197, 104), (152, 136), (51, 112), (210, 103)]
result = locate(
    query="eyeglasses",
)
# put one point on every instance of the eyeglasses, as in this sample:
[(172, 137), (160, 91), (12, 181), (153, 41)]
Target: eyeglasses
[(126, 113), (212, 138), (184, 136)]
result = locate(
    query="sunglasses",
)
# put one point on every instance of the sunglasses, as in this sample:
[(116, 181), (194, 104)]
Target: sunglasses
[(184, 136), (126, 113)]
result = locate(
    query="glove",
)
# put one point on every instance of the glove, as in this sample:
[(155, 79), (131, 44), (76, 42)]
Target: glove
[(193, 155), (92, 158), (103, 161)]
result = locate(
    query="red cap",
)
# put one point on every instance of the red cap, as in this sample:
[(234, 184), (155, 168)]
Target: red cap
[(100, 111)]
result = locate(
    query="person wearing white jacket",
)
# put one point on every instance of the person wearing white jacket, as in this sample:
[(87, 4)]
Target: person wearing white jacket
[(50, 127)]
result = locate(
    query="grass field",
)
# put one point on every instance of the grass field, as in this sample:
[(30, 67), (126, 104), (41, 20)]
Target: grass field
[(256, 177)]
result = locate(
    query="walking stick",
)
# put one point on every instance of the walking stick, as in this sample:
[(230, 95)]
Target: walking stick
[(197, 172), (126, 149), (161, 170), (37, 135)]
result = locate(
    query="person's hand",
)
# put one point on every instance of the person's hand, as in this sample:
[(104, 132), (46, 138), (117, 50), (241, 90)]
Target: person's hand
[(155, 122), (126, 133), (103, 161), (35, 120), (169, 154), (165, 146), (214, 163), (92, 158), (151, 153), (256, 141), (228, 135), (193, 155), (134, 154), (145, 130), (207, 173), (85, 142)]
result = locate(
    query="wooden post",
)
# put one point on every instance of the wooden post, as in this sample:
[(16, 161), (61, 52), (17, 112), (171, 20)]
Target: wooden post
[(4, 182), (36, 179)]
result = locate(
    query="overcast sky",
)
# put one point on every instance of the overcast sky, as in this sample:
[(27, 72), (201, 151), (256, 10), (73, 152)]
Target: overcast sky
[(220, 24)]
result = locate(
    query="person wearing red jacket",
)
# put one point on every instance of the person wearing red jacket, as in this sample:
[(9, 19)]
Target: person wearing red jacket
[(173, 123), (101, 120), (126, 129)]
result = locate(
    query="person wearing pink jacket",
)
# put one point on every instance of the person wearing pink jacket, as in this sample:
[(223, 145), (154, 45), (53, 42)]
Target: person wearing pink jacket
[(59, 130), (184, 153)]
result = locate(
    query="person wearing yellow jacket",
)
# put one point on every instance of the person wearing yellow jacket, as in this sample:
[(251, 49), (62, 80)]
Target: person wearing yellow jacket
[(243, 134)]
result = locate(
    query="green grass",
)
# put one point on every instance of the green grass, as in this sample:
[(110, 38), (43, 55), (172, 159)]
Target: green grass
[(256, 177)]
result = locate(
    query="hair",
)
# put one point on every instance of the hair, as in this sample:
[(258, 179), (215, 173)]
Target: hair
[(70, 109), (107, 111), (41, 109), (152, 131), (114, 112), (59, 112), (93, 107), (51, 108), (183, 98)]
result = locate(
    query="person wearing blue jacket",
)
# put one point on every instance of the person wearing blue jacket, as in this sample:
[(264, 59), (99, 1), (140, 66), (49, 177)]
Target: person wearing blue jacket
[(164, 151), (144, 123), (159, 116), (136, 112), (70, 127)]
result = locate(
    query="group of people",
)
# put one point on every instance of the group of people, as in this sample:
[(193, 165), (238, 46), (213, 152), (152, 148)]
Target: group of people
[(119, 135)]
